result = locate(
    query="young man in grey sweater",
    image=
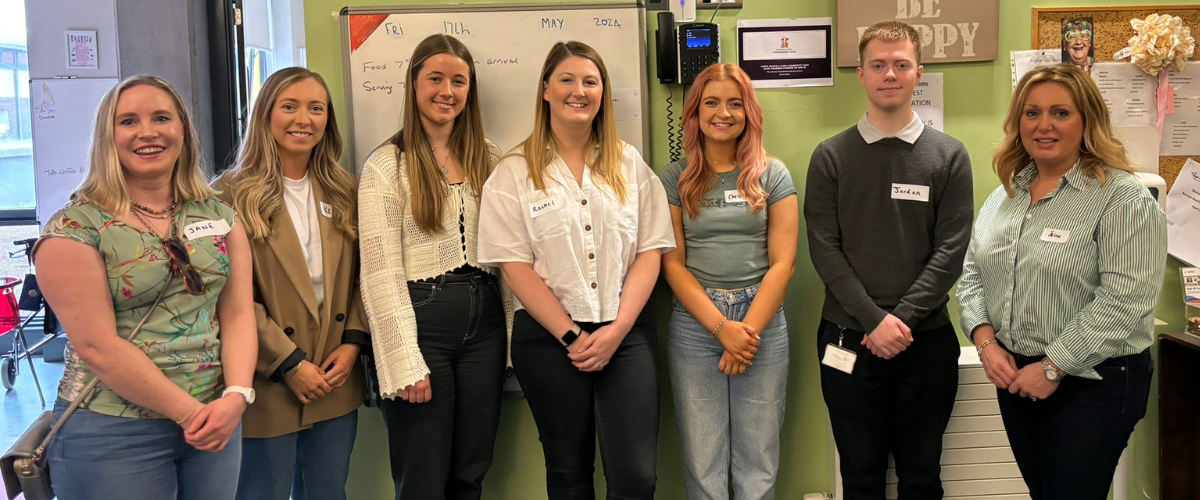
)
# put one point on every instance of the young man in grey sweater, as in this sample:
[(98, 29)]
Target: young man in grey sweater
[(889, 208)]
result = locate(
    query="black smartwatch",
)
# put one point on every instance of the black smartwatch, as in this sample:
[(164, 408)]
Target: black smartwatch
[(571, 336)]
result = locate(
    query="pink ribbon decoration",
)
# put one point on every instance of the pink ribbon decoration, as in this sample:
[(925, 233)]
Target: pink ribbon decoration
[(1166, 100)]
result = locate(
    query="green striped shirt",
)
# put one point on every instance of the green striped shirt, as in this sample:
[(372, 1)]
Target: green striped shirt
[(1073, 277)]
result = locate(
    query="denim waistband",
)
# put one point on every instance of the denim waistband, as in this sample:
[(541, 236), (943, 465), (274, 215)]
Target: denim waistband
[(457, 278), (733, 296)]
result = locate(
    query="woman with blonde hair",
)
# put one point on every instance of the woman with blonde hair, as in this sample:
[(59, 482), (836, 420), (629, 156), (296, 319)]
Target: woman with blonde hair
[(298, 206), (437, 317), (1060, 283), (577, 221), (736, 221), (150, 275)]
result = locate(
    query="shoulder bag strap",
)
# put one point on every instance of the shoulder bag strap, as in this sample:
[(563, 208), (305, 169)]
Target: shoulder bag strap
[(87, 389)]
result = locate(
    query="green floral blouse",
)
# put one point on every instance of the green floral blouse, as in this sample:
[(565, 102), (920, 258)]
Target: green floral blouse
[(182, 335)]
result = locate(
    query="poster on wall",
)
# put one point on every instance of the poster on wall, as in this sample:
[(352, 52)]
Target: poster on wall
[(929, 101), (81, 49), (962, 30), (781, 53)]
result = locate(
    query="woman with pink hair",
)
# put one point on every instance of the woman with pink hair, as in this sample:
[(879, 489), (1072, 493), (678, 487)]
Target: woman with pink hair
[(736, 222)]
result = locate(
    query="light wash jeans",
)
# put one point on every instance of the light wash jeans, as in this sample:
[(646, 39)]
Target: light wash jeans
[(729, 424), (102, 457), (311, 464)]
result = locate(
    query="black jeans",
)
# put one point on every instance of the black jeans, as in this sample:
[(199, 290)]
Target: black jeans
[(619, 404), (1068, 444), (442, 448), (899, 406)]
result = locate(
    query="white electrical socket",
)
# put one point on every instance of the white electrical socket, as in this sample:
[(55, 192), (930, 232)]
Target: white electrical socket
[(684, 10)]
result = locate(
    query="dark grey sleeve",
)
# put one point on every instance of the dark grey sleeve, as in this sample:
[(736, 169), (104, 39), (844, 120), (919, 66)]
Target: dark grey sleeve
[(952, 235), (825, 242)]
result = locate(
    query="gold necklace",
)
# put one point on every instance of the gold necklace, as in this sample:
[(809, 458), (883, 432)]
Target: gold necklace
[(137, 213)]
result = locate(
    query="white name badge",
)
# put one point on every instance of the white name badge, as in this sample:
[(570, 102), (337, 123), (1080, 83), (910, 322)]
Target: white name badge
[(1055, 235), (911, 192), (326, 209), (732, 196), (839, 358), (537, 208), (204, 228)]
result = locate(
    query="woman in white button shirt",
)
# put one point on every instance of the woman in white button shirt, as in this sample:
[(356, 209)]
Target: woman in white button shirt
[(437, 318), (577, 222), (298, 207)]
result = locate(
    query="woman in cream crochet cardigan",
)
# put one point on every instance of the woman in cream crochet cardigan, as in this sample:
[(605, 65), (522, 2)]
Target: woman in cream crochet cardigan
[(436, 316)]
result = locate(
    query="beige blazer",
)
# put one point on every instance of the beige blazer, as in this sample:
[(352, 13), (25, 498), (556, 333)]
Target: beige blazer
[(285, 307)]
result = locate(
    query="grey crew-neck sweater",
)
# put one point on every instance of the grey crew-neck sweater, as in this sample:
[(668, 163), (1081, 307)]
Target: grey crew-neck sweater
[(877, 246)]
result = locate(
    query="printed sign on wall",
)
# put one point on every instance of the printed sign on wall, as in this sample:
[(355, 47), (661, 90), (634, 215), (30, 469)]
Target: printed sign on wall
[(951, 31)]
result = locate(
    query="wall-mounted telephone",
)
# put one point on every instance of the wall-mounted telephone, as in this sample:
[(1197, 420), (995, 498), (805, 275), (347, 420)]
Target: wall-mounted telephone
[(684, 50)]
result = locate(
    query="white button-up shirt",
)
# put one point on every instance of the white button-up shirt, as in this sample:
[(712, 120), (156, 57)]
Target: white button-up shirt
[(579, 238)]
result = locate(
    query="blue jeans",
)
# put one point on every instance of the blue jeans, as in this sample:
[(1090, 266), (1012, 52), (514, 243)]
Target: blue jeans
[(102, 457), (310, 464), (729, 424)]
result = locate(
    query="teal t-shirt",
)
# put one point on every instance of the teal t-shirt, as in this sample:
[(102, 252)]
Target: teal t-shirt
[(726, 243)]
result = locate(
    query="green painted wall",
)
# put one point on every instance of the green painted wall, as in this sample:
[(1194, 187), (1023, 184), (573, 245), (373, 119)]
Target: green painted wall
[(796, 120)]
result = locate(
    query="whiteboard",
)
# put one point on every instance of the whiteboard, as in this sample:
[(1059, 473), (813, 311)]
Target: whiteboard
[(63, 112), (509, 43)]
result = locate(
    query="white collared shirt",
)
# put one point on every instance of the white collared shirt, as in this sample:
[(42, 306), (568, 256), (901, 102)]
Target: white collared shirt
[(910, 133), (579, 239)]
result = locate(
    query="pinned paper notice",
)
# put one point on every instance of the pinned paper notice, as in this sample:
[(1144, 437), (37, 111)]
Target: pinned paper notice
[(1183, 215)]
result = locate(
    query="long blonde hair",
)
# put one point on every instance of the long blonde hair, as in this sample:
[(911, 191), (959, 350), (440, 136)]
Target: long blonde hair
[(105, 185), (697, 178), (539, 149), (1101, 148), (257, 176), (426, 185)]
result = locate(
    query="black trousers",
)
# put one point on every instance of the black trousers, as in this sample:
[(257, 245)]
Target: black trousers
[(899, 406), (618, 404), (442, 448), (1067, 445)]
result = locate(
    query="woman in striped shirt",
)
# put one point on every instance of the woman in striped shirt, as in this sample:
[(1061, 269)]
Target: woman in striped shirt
[(1059, 286)]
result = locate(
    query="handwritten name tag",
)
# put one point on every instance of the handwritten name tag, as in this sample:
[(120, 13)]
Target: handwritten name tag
[(206, 228), (326, 209), (732, 196), (537, 208), (1055, 235), (911, 192)]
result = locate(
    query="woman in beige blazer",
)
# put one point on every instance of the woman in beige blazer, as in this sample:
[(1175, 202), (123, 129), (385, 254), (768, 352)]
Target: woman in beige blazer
[(298, 206)]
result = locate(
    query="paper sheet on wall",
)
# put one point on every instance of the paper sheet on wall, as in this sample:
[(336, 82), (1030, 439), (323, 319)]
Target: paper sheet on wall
[(1181, 129), (929, 101), (1183, 215), (1023, 61), (1129, 92)]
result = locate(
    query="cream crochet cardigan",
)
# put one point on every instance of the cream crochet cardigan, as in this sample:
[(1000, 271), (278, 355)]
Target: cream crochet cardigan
[(394, 251)]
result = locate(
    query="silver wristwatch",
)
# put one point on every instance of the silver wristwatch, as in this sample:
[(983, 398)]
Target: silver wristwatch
[(1050, 371)]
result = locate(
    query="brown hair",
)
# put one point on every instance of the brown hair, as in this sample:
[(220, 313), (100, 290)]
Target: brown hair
[(1100, 149), (426, 184), (890, 31)]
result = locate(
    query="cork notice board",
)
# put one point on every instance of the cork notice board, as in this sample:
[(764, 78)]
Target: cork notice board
[(1112, 31)]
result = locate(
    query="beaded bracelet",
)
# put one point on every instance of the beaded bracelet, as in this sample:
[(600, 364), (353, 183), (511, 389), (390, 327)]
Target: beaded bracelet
[(979, 350), (719, 327)]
